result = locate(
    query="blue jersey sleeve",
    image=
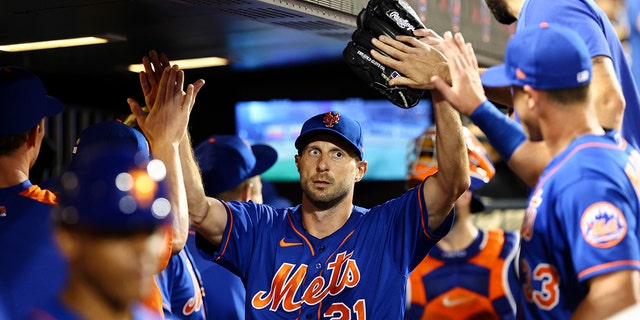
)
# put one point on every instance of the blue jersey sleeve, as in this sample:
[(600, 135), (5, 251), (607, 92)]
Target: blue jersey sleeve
[(602, 231), (409, 222), (578, 15), (247, 222)]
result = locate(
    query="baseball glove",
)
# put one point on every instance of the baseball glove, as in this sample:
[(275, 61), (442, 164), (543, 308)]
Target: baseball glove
[(382, 17)]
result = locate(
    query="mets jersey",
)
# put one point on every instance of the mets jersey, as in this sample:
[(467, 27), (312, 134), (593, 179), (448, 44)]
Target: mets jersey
[(478, 282), (358, 272), (181, 288), (593, 26), (32, 270), (581, 221)]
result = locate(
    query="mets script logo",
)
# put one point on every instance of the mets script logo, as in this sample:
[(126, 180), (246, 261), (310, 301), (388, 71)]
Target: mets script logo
[(603, 225), (330, 119), (194, 303), (343, 273)]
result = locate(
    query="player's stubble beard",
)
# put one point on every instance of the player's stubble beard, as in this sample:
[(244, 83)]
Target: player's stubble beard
[(500, 11), (322, 199)]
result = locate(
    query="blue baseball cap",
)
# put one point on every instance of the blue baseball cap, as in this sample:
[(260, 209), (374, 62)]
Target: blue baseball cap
[(110, 132), (332, 123), (24, 101), (227, 160), (109, 191), (545, 57)]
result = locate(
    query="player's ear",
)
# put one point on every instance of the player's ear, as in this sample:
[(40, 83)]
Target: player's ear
[(34, 133), (297, 159), (532, 96), (361, 167)]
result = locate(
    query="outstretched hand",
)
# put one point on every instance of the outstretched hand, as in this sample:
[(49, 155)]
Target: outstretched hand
[(154, 66), (416, 59), (429, 37), (465, 93), (168, 117)]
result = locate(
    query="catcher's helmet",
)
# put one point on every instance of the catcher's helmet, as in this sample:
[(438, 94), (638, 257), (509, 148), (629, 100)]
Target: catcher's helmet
[(480, 166)]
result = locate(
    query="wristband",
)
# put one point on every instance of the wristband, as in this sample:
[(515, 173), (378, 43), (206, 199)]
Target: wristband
[(504, 134)]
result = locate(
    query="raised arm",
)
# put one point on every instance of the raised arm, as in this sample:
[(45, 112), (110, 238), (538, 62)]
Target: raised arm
[(208, 216), (164, 126), (607, 93), (452, 179)]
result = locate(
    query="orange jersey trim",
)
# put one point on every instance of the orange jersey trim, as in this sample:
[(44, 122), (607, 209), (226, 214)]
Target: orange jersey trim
[(230, 223), (154, 299), (42, 195)]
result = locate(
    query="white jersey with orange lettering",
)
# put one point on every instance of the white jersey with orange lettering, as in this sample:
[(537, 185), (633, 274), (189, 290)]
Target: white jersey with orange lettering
[(359, 272), (581, 221)]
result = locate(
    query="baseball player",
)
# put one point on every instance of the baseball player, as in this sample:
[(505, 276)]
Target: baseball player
[(470, 273), (580, 254), (110, 226), (326, 258), (32, 270)]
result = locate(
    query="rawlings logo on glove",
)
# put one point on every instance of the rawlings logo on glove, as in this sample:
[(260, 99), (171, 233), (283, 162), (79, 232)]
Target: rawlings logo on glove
[(382, 17)]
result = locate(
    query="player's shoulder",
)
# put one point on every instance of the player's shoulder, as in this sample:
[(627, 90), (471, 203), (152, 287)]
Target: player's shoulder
[(597, 154), (41, 195)]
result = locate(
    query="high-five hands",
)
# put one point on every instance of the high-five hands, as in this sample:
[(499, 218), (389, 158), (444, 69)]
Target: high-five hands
[(169, 106), (465, 92), (417, 59)]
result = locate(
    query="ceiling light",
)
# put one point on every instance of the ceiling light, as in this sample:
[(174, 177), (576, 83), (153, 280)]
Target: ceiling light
[(51, 44), (189, 63)]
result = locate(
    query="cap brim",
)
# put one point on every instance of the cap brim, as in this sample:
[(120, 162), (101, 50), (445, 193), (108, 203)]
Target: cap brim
[(54, 106), (305, 138), (266, 157), (495, 77), (476, 203)]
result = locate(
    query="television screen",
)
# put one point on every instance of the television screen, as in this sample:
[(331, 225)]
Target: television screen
[(389, 131)]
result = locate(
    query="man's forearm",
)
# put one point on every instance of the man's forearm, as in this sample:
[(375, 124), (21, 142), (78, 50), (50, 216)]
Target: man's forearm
[(168, 154), (453, 161), (196, 197)]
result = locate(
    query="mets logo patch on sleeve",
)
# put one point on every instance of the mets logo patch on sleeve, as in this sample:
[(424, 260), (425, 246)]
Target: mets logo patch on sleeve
[(603, 225)]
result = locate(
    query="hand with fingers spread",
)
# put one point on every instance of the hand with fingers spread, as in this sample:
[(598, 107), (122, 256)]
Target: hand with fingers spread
[(429, 37), (168, 116), (465, 92), (154, 66), (416, 59)]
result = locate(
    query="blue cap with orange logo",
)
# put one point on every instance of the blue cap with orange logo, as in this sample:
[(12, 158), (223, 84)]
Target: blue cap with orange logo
[(545, 57), (332, 123)]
